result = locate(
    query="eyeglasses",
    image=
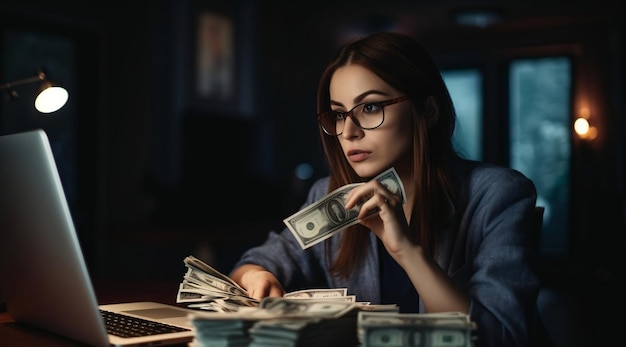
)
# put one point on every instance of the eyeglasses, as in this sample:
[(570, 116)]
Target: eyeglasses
[(367, 116)]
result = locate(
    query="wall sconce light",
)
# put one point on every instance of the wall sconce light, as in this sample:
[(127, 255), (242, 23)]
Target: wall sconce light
[(49, 97), (582, 127)]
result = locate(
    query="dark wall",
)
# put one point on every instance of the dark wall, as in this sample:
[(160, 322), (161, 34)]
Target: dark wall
[(154, 154), (162, 174)]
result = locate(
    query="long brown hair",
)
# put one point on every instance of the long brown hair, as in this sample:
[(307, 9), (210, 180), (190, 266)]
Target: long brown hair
[(406, 65)]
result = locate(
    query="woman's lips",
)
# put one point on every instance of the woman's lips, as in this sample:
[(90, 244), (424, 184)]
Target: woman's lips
[(357, 155)]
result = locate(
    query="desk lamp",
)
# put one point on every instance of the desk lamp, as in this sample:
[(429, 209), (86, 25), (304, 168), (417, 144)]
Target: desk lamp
[(49, 97)]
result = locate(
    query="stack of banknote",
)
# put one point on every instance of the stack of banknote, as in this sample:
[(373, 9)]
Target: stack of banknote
[(338, 329), (228, 316), (288, 321), (394, 329), (204, 287), (275, 322), (314, 332)]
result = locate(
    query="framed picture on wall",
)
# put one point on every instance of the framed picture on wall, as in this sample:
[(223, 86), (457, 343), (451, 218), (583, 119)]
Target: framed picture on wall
[(214, 60)]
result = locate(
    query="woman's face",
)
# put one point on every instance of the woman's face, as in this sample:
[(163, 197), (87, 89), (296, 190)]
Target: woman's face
[(370, 152)]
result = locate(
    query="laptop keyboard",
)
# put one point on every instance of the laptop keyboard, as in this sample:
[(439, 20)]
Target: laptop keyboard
[(127, 326)]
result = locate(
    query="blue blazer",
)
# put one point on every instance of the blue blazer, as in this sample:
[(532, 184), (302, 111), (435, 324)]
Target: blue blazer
[(486, 249)]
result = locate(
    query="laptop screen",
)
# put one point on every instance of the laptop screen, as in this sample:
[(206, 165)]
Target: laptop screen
[(43, 276)]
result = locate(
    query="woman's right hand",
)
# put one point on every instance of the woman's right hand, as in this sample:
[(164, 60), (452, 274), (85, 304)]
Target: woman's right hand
[(257, 281)]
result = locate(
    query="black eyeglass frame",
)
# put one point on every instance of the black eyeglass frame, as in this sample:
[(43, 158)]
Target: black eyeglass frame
[(347, 114)]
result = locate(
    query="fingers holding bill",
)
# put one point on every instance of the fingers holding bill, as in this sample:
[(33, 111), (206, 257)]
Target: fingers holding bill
[(372, 197)]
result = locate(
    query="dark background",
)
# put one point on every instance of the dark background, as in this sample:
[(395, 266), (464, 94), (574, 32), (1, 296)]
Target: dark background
[(154, 174)]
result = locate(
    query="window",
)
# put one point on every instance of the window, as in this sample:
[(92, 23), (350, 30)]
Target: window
[(465, 87), (539, 118), (539, 142)]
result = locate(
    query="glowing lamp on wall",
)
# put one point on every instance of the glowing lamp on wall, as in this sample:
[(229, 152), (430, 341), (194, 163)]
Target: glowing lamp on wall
[(582, 127)]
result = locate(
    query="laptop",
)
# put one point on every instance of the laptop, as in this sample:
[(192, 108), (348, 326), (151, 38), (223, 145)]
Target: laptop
[(43, 276)]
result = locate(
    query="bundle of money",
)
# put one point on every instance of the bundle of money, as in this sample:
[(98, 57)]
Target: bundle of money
[(339, 331), (333, 329), (275, 319), (205, 288), (389, 329), (209, 332), (327, 216)]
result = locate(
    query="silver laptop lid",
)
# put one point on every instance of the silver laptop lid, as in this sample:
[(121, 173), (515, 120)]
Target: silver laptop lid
[(35, 228)]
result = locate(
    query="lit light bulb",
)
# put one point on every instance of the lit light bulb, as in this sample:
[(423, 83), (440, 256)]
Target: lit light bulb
[(584, 130), (51, 99), (581, 126)]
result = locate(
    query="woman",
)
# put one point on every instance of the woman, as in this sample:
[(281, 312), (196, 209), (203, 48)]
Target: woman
[(461, 240)]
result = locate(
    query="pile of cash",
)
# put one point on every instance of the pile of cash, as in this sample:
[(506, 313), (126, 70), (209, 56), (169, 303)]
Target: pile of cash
[(298, 322), (314, 332), (203, 287), (228, 316), (394, 329), (221, 332), (275, 322)]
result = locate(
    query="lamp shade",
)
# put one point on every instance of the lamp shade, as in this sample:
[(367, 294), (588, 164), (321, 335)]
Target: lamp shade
[(50, 98)]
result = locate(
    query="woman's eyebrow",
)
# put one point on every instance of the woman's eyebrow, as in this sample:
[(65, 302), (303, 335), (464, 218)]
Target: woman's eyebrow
[(359, 98)]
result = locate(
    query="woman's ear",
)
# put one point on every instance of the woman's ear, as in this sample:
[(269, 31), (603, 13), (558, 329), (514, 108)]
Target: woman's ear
[(432, 111)]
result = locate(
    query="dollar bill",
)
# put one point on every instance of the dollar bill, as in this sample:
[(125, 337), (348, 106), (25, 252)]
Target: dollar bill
[(321, 293), (211, 275), (450, 319), (325, 217), (416, 336), (206, 280), (387, 329)]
